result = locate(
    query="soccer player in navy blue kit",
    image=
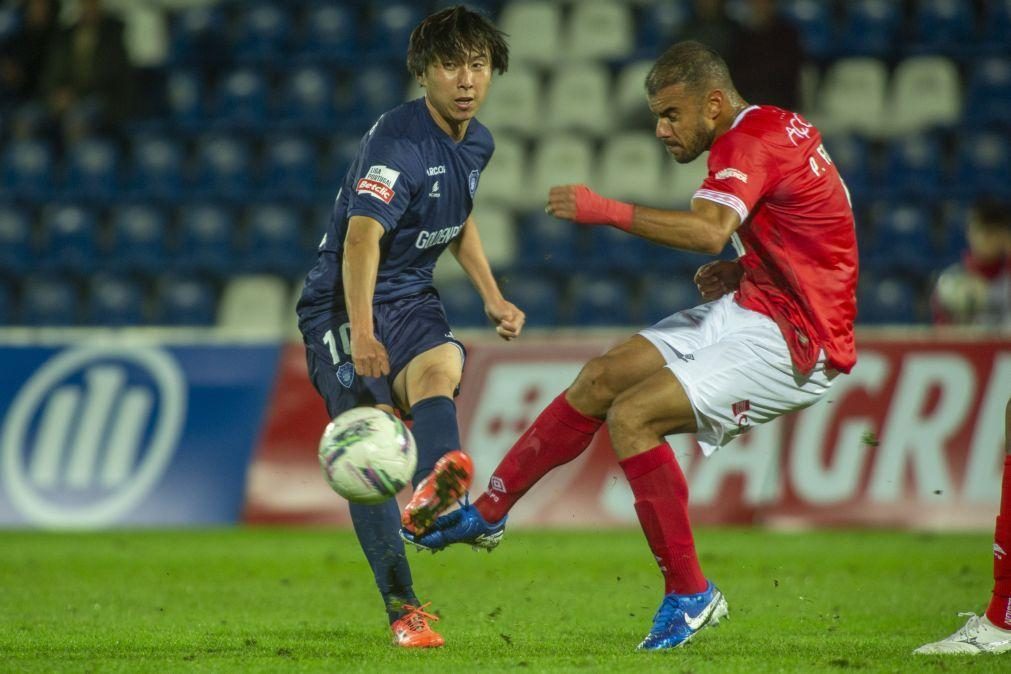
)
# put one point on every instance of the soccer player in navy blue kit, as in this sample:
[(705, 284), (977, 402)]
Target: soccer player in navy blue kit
[(374, 328)]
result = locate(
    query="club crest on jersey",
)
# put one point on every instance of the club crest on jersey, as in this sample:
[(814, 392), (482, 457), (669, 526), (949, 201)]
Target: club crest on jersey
[(472, 182), (346, 374), (731, 173), (379, 182)]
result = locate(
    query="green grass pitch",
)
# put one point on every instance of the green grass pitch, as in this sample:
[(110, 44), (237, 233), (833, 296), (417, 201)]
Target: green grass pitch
[(250, 600)]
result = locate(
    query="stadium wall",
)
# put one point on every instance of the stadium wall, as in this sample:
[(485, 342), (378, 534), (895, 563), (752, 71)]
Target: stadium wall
[(156, 428)]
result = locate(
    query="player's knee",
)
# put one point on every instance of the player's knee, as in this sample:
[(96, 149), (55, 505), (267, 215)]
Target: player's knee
[(593, 391), (625, 417), (437, 381)]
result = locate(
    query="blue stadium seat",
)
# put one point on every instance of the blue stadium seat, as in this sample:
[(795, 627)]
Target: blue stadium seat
[(196, 35), (871, 27), (377, 88), (223, 168), (886, 300), (332, 31), (206, 239), (308, 100), (343, 150), (8, 304), (27, 170), (902, 237), (139, 235), (115, 301), (184, 92), (290, 168), (996, 25), (613, 249), (49, 300), (262, 32), (185, 301), (913, 166), (548, 243), (599, 302), (537, 296), (464, 308), (92, 170), (988, 95), (953, 243), (944, 25), (17, 249), (665, 294), (656, 23), (156, 169), (70, 235), (852, 157), (274, 241), (982, 165), (392, 23), (815, 24), (241, 100)]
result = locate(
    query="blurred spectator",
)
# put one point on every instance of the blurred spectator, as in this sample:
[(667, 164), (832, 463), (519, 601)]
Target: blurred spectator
[(766, 57), (710, 26), (88, 74), (977, 290), (23, 58)]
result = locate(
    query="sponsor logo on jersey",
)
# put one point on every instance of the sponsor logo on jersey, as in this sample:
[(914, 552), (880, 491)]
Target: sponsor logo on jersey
[(379, 182), (472, 182), (797, 127), (998, 551), (732, 173), (740, 411), (435, 170), (497, 484), (435, 190), (428, 239)]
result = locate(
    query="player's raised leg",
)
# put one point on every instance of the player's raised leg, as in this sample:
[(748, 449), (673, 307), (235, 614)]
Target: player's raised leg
[(990, 633)]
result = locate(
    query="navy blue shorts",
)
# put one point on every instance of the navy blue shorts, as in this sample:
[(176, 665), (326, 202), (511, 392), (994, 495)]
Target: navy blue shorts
[(406, 327)]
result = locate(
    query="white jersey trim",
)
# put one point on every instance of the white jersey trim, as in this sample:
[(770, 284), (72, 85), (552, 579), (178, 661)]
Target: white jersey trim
[(724, 198), (742, 113)]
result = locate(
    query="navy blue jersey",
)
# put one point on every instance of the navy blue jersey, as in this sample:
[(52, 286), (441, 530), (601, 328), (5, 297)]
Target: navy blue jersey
[(412, 178)]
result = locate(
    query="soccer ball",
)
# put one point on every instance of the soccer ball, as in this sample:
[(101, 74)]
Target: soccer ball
[(367, 455)]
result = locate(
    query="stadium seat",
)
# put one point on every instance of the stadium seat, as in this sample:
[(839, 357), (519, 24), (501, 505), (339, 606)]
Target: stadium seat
[(241, 100), (223, 168), (206, 239), (27, 170), (377, 88), (184, 301), (681, 181), (988, 97), (628, 97), (902, 237), (614, 250), (913, 166), (17, 249), (982, 165), (815, 24), (631, 168), (464, 308), (341, 154), (262, 32), (599, 302), (558, 160), (274, 241), (156, 168), (331, 33), (498, 234), (925, 92), (533, 27), (308, 100), (887, 300), (579, 100), (546, 242), (392, 23), (139, 236), (953, 242), (853, 97), (996, 25), (197, 35), (665, 294), (537, 296), (50, 300), (656, 23), (184, 92), (871, 27), (254, 303), (944, 25), (290, 168), (514, 103), (851, 155), (502, 180), (8, 304), (70, 236), (114, 301), (92, 170), (599, 30)]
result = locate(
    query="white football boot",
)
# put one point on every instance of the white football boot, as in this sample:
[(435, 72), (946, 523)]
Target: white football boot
[(978, 635)]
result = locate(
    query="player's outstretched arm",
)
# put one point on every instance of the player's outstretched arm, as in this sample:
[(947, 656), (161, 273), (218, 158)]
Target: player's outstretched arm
[(359, 266), (706, 228), (469, 253)]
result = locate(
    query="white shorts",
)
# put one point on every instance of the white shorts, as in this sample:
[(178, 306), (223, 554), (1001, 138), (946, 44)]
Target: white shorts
[(735, 367)]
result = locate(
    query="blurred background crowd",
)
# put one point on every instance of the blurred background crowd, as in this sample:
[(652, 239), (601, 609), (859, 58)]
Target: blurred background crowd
[(173, 162)]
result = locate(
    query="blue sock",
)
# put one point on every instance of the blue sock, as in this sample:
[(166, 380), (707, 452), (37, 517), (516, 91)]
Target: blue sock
[(435, 431), (378, 531)]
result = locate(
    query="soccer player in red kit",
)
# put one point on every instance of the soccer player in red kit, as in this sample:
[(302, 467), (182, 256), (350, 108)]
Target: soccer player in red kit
[(775, 330)]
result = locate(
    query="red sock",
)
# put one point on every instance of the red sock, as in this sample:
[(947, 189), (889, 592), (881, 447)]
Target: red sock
[(661, 502), (557, 436), (999, 611)]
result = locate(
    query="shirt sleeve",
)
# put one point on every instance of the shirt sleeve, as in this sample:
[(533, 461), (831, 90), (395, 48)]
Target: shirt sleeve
[(385, 179), (739, 173)]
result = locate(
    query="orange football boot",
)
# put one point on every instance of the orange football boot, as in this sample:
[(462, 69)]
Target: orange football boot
[(412, 630), (444, 486)]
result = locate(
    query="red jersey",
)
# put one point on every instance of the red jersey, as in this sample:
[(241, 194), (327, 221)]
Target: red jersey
[(797, 239)]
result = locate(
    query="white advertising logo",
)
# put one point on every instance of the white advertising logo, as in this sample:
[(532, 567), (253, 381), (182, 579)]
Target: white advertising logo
[(90, 434)]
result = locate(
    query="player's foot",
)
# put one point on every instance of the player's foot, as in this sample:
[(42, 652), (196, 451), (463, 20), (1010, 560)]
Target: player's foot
[(460, 526), (413, 631), (978, 635), (682, 616), (444, 486)]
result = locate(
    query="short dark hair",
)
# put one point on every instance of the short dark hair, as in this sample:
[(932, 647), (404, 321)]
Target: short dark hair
[(691, 63), (992, 214), (455, 32)]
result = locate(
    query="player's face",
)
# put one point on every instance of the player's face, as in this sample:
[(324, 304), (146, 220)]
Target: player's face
[(681, 123), (456, 87)]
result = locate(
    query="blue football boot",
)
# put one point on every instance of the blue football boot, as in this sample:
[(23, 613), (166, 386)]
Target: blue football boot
[(460, 526), (682, 616)]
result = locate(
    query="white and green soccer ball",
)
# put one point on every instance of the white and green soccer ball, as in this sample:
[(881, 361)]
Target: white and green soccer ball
[(367, 455)]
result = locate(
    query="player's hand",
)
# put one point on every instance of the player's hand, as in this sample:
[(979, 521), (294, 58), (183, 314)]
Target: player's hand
[(507, 317), (716, 279), (581, 204), (369, 356), (562, 201)]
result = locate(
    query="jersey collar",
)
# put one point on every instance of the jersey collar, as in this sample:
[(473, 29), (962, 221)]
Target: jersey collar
[(742, 113)]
